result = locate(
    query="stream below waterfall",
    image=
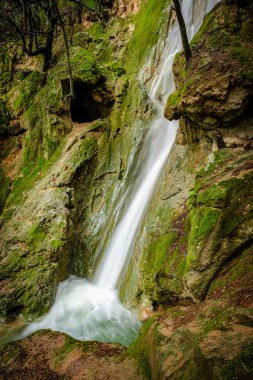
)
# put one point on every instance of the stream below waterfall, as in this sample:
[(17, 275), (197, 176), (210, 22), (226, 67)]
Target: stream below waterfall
[(93, 311)]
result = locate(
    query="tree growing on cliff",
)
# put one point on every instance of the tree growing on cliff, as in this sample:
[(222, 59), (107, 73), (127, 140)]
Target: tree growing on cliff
[(183, 32), (33, 24)]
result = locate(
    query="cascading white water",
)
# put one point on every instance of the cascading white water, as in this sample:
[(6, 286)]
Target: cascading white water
[(93, 311), (159, 141)]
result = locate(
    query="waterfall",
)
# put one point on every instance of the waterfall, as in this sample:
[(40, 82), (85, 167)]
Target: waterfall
[(93, 311), (158, 144)]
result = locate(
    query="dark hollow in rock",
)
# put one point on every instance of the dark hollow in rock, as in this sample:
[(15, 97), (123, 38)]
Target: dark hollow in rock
[(14, 312), (83, 107)]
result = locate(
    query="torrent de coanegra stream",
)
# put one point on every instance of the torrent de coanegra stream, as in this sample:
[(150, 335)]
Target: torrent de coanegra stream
[(93, 311)]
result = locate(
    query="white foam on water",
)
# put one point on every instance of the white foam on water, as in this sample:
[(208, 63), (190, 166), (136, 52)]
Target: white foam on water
[(87, 312)]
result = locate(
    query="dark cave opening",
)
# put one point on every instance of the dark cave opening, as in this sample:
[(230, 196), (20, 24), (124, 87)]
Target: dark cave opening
[(83, 107), (249, 107)]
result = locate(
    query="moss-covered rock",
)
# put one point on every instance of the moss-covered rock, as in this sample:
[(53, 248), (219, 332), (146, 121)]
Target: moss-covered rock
[(209, 341), (220, 217), (4, 118), (160, 255), (53, 355), (22, 96), (84, 66), (35, 226), (67, 176), (215, 89), (5, 183)]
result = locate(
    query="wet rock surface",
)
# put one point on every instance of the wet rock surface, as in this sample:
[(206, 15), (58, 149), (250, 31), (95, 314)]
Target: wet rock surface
[(192, 263), (214, 93), (50, 355), (208, 340)]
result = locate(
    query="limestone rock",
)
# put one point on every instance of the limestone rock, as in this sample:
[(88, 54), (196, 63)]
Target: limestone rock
[(209, 340), (215, 90), (34, 230), (51, 355), (125, 8)]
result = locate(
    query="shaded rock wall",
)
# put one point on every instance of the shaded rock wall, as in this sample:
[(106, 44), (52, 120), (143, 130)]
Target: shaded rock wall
[(193, 257), (201, 214), (214, 95), (62, 180)]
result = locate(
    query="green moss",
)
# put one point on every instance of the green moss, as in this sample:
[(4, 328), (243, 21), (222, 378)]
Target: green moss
[(97, 30), (70, 345), (220, 204), (5, 184), (203, 219), (4, 117), (8, 353), (157, 259), (173, 99), (35, 237), (240, 268), (24, 182), (48, 98), (239, 368), (57, 244), (38, 297), (86, 150), (159, 249), (213, 194), (209, 23), (84, 66), (139, 350), (146, 32), (24, 93), (116, 67)]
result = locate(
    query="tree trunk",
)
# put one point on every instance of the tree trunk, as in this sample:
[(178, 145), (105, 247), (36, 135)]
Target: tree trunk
[(182, 27), (47, 54), (72, 93)]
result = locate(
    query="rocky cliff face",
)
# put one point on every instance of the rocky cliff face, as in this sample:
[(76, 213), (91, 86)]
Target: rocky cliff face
[(198, 230), (192, 261), (62, 169), (125, 8)]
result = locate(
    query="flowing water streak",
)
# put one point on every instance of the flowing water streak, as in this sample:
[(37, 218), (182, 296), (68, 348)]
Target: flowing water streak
[(93, 311), (159, 142)]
